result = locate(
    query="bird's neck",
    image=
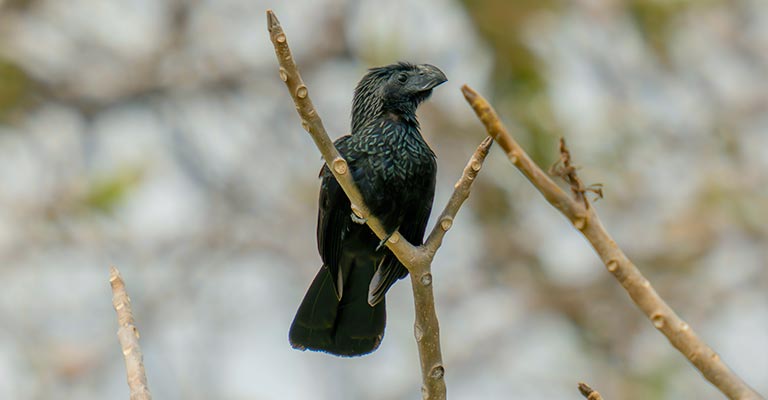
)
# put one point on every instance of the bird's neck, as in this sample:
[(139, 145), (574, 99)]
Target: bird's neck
[(396, 131), (386, 117), (399, 129), (402, 118)]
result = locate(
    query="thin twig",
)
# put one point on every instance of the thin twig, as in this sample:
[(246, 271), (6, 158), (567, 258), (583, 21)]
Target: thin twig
[(585, 219), (129, 338), (567, 172), (460, 194), (588, 392), (417, 260), (426, 328)]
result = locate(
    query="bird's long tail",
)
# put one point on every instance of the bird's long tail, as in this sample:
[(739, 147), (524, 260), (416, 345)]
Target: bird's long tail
[(346, 327)]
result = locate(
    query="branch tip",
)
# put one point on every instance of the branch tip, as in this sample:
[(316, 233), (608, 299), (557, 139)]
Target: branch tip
[(128, 337), (469, 93), (588, 392), (485, 146), (272, 21)]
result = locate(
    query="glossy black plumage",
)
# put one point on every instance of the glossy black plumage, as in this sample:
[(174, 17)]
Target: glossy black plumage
[(343, 312)]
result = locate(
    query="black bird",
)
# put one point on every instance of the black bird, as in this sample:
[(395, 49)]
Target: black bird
[(343, 311)]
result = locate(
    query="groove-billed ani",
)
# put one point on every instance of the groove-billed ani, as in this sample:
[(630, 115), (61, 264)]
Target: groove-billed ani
[(343, 312)]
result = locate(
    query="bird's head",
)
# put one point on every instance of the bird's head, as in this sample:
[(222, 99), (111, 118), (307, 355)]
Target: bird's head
[(396, 89)]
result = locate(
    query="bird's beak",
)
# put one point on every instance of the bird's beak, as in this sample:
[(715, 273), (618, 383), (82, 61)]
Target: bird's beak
[(429, 77)]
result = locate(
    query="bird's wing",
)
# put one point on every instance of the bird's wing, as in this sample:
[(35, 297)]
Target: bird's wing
[(412, 228), (332, 218)]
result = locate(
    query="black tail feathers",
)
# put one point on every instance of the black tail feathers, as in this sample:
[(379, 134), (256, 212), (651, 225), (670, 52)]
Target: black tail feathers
[(347, 327)]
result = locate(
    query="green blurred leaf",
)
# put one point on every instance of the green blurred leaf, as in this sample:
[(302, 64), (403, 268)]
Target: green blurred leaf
[(13, 86), (104, 193)]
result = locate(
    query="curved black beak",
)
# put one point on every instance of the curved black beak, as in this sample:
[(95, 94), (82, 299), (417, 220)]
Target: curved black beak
[(429, 77)]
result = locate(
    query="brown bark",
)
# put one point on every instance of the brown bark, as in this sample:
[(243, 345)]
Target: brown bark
[(418, 260), (582, 215), (129, 338)]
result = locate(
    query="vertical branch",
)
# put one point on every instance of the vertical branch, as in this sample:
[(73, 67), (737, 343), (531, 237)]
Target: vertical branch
[(585, 219), (129, 338), (426, 328)]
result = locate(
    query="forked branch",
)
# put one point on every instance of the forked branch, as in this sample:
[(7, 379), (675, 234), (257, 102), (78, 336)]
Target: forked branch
[(578, 210), (418, 260)]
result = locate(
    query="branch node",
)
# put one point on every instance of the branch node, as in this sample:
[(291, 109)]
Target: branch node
[(437, 372), (301, 92), (476, 165), (580, 223), (446, 223), (513, 157), (426, 279), (283, 74), (693, 356), (357, 212), (612, 265), (340, 166), (280, 38), (658, 320), (418, 333), (394, 238)]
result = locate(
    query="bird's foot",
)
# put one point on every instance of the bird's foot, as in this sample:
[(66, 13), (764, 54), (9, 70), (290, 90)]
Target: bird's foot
[(383, 242), (358, 220)]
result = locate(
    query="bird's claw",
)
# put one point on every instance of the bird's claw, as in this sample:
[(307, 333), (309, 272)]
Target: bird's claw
[(358, 220), (383, 242)]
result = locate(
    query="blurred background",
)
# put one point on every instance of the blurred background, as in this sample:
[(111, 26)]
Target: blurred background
[(156, 136)]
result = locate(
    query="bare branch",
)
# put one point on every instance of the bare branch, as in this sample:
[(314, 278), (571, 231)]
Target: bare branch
[(588, 392), (567, 172), (585, 219), (312, 123), (460, 194), (129, 338), (418, 260)]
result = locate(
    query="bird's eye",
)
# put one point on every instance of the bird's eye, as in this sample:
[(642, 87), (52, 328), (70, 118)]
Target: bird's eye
[(402, 78)]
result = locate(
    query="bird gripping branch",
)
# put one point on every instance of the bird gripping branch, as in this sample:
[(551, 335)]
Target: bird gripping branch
[(343, 311)]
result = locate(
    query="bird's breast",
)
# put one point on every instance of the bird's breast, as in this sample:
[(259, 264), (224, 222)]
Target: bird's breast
[(392, 156)]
